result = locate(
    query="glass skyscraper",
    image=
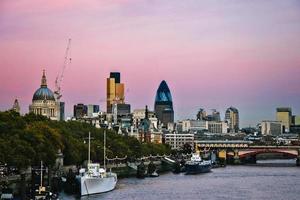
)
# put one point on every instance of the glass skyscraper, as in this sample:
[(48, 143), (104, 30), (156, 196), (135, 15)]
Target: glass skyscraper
[(163, 105)]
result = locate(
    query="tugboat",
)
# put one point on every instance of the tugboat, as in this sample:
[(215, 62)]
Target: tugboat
[(196, 165), (94, 179)]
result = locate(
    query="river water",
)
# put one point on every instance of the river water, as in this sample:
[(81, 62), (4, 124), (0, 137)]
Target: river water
[(271, 179)]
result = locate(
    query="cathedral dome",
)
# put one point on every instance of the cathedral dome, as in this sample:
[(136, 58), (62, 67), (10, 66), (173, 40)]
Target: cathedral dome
[(43, 93)]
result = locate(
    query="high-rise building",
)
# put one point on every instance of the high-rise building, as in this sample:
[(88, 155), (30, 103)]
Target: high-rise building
[(284, 114), (163, 106), (115, 91), (232, 118), (44, 103)]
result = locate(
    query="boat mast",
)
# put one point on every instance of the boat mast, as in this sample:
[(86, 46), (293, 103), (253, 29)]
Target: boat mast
[(89, 156), (104, 149), (41, 174)]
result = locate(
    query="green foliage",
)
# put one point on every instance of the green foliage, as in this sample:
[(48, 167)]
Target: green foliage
[(26, 140)]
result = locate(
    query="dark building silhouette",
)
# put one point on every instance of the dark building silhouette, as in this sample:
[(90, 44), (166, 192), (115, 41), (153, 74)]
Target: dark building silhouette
[(163, 105), (80, 110), (116, 76)]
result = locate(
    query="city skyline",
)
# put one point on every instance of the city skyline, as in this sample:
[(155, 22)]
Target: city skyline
[(241, 54)]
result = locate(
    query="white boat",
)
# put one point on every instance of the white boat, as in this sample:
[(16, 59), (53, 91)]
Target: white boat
[(95, 179)]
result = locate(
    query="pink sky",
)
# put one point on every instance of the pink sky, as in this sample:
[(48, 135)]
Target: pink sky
[(212, 53)]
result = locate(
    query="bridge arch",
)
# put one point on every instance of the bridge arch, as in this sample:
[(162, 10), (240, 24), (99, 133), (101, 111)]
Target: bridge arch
[(254, 152)]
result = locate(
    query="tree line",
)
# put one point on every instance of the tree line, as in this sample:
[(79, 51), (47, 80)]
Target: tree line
[(26, 140)]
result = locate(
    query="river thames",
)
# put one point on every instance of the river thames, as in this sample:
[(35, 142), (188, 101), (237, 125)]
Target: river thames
[(273, 179)]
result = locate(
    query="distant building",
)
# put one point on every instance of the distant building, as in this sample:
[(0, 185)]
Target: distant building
[(216, 115), (80, 110), (232, 118), (44, 103), (16, 106), (271, 127), (177, 140), (115, 91), (295, 127), (217, 127), (119, 111), (194, 125), (201, 115), (296, 120), (92, 110), (62, 110), (284, 114), (139, 114), (163, 105)]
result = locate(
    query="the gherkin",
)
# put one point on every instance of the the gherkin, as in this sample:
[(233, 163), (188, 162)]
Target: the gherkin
[(163, 105)]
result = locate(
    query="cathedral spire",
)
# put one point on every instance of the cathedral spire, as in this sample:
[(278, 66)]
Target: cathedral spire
[(44, 80)]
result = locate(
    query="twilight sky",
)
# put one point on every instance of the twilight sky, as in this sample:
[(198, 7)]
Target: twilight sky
[(212, 53)]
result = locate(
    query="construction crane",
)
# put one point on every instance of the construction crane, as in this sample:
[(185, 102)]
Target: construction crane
[(60, 76)]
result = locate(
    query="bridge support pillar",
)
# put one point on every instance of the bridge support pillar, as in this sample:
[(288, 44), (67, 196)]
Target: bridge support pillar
[(222, 157), (236, 158)]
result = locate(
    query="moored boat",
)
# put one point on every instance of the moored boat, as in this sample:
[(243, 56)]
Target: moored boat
[(94, 179), (196, 165)]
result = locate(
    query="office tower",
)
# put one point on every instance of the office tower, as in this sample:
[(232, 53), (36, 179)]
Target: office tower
[(163, 105), (115, 91), (284, 114), (232, 118)]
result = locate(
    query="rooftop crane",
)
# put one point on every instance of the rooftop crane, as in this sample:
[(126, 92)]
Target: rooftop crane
[(60, 76)]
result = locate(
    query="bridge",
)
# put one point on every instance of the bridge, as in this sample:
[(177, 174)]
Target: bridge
[(240, 150)]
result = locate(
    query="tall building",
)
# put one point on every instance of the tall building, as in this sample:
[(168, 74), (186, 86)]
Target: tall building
[(16, 106), (232, 118), (44, 103), (163, 106), (284, 114), (115, 91)]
